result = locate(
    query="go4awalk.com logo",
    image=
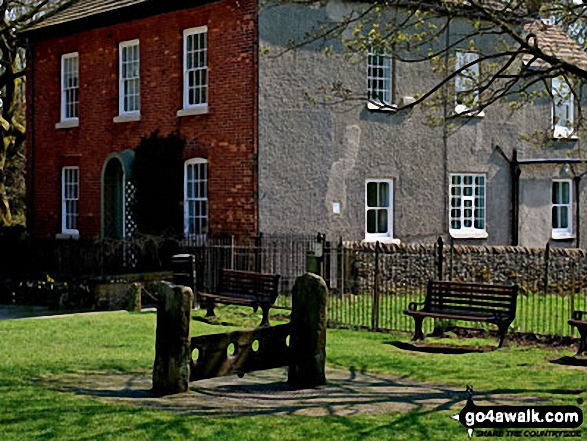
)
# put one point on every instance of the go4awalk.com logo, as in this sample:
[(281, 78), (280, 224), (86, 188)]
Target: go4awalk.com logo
[(520, 421)]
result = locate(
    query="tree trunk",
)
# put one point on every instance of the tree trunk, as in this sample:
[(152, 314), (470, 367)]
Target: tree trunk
[(5, 216)]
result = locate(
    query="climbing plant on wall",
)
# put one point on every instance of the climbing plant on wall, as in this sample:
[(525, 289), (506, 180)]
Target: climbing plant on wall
[(158, 177)]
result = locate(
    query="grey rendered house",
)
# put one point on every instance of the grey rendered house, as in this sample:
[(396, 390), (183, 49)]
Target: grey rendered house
[(369, 173)]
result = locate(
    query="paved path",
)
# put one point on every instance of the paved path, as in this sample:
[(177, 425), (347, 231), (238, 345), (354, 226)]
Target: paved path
[(267, 393), (10, 312), (17, 311)]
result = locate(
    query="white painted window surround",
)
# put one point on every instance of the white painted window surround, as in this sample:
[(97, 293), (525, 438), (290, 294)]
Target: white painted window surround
[(195, 71), (467, 210), (562, 209), (129, 81), (379, 211), (196, 198), (69, 114), (379, 80), (466, 82), (70, 180), (563, 112)]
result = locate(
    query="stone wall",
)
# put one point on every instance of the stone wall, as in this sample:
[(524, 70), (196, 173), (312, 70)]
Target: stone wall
[(564, 270)]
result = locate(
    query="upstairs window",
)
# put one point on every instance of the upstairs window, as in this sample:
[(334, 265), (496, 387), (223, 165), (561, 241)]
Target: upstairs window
[(561, 208), (129, 78), (562, 108), (466, 81), (379, 79), (378, 209), (196, 198), (69, 199), (69, 86), (195, 67), (467, 206)]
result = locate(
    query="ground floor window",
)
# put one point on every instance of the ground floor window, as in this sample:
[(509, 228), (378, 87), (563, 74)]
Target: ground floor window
[(561, 208), (69, 199), (196, 197), (378, 209), (467, 205)]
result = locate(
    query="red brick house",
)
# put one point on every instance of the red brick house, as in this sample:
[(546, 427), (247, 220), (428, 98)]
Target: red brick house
[(104, 74)]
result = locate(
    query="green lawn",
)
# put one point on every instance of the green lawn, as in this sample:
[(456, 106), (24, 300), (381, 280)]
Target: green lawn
[(34, 350)]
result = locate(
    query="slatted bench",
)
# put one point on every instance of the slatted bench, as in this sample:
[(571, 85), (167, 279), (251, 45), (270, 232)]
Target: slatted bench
[(244, 288), (579, 320), (476, 302)]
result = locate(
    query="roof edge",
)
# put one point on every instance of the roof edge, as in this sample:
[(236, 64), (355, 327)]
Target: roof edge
[(110, 17)]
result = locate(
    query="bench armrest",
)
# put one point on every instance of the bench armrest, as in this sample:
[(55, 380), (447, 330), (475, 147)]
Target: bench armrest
[(413, 306), (578, 315)]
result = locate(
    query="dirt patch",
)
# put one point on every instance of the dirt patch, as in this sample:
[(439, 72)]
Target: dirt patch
[(267, 393)]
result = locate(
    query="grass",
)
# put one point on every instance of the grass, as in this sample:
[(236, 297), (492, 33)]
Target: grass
[(35, 350)]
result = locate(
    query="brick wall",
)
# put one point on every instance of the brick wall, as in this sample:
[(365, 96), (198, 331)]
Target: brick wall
[(226, 136)]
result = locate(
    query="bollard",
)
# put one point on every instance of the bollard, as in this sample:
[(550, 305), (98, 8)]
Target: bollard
[(172, 345), (308, 336)]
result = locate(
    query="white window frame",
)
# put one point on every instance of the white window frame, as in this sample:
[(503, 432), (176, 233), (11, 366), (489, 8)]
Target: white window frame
[(70, 187), (202, 106), (562, 233), (563, 102), (465, 80), (381, 84), (202, 220), (66, 89), (458, 208), (379, 236), (123, 80)]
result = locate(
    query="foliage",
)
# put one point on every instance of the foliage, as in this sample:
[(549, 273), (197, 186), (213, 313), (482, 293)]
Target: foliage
[(515, 60), (157, 175), (17, 15)]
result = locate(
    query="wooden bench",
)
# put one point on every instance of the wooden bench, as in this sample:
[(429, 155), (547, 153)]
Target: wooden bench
[(476, 302), (579, 320), (244, 288)]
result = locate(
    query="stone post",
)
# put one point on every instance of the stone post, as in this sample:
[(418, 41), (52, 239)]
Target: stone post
[(171, 371), (134, 297), (308, 337)]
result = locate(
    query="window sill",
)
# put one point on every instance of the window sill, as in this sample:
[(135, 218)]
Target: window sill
[(67, 124), (72, 235), (563, 236), (391, 108), (464, 111), (389, 240), (563, 135), (201, 110), (127, 118), (468, 234)]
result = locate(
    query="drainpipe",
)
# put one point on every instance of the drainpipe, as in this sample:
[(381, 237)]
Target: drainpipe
[(515, 178), (577, 181)]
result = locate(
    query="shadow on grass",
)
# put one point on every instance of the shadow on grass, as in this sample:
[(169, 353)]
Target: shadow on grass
[(347, 393), (212, 321), (570, 361), (441, 349)]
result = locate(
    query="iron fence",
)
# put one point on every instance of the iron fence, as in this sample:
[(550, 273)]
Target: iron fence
[(371, 284), (376, 282)]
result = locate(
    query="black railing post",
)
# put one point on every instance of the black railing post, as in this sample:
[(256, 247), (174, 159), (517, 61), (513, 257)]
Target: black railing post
[(375, 312), (258, 244), (452, 258), (340, 266), (184, 273), (546, 262), (439, 258)]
